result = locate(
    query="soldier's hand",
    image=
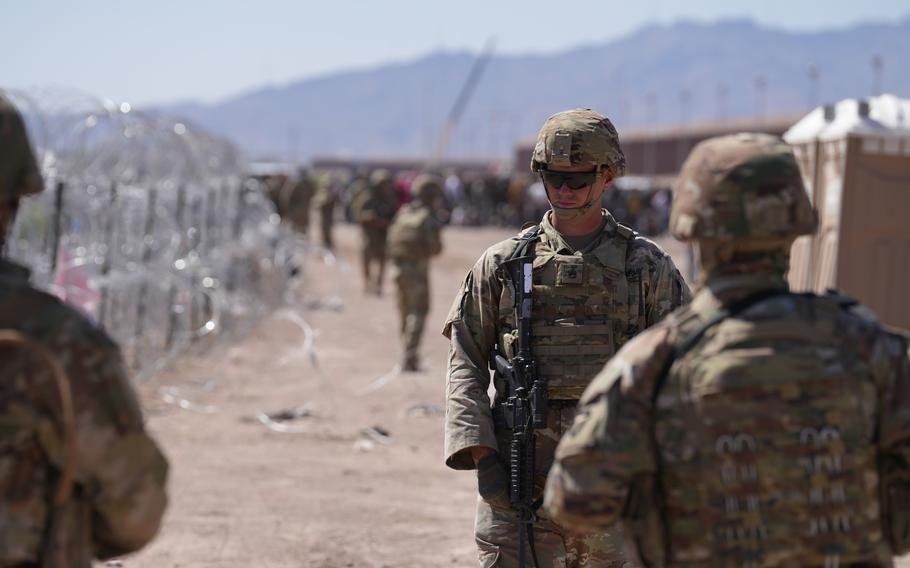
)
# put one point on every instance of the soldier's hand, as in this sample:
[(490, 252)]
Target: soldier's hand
[(493, 481)]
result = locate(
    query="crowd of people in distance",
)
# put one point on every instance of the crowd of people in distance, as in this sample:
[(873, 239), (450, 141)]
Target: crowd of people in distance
[(501, 199)]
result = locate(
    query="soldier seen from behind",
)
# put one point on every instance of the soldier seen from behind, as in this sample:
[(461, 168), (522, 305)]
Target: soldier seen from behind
[(550, 306), (79, 476), (374, 207), (414, 237), (754, 427)]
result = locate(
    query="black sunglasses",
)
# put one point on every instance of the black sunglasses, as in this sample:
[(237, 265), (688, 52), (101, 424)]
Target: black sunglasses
[(573, 180)]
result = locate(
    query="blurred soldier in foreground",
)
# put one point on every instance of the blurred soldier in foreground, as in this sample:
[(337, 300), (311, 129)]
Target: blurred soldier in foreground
[(550, 306), (413, 239), (373, 210), (79, 477), (755, 427)]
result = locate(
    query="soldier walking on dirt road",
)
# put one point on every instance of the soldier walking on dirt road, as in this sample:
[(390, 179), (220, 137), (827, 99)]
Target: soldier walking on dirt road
[(374, 209), (413, 239)]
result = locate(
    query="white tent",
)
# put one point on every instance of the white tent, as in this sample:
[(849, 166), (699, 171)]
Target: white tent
[(855, 159)]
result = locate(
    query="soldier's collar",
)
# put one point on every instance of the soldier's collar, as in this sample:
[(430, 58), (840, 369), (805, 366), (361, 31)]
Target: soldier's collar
[(730, 288), (557, 242)]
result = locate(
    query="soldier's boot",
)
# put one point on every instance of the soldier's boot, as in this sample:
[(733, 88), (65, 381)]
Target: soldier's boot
[(410, 364)]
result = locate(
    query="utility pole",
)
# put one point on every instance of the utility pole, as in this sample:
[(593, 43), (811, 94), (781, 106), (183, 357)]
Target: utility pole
[(813, 74), (461, 101), (721, 93), (650, 149), (761, 94), (878, 65), (682, 140), (685, 102)]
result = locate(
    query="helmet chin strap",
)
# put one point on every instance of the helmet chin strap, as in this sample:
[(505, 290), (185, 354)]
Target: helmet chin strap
[(569, 213)]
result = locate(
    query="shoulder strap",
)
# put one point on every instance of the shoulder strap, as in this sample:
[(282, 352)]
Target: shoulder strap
[(525, 242), (624, 231), (841, 299), (685, 343)]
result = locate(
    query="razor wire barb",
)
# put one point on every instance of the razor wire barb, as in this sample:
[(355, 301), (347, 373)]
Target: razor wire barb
[(148, 225)]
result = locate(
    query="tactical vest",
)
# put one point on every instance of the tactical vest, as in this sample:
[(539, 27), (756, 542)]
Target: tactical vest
[(585, 306), (753, 425), (407, 234)]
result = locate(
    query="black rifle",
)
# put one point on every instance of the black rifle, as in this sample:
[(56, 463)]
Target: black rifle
[(525, 409)]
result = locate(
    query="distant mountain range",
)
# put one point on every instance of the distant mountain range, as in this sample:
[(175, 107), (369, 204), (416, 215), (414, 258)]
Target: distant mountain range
[(660, 74)]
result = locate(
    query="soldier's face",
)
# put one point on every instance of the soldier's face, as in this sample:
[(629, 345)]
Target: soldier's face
[(571, 191)]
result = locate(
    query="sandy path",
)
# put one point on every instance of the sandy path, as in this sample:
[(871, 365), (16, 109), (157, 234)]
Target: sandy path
[(245, 496)]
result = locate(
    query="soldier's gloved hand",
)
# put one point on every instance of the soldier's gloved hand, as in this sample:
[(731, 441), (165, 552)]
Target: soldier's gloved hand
[(493, 482)]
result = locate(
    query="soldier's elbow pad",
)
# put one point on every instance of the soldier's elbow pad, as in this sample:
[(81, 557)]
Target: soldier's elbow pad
[(116, 535), (131, 500)]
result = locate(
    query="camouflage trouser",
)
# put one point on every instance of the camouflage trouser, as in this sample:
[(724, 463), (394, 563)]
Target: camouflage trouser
[(496, 531), (300, 218), (374, 243), (373, 252), (325, 224), (413, 282)]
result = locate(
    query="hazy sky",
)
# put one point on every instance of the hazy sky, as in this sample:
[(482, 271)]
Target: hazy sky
[(153, 51)]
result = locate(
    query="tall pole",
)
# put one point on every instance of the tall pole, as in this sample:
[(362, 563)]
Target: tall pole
[(721, 93), (813, 74), (685, 102), (761, 94), (878, 65), (293, 138), (461, 102), (682, 141), (625, 119), (650, 148)]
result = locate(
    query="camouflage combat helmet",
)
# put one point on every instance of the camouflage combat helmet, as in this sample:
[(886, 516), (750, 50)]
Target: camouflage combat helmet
[(19, 175), (744, 187), (578, 136), (426, 187)]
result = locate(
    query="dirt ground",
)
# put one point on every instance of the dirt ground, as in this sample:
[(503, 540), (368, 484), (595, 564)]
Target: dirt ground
[(331, 492), (328, 494)]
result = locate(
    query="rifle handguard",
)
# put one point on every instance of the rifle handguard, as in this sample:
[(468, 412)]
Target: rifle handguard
[(515, 470), (540, 397)]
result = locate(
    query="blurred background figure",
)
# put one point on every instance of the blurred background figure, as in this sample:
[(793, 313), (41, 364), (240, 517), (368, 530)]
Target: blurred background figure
[(374, 209), (324, 201), (295, 198), (414, 237)]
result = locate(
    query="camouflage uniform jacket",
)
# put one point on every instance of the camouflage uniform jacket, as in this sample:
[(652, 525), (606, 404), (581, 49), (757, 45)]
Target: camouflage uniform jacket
[(119, 492), (374, 210), (586, 305), (767, 442)]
